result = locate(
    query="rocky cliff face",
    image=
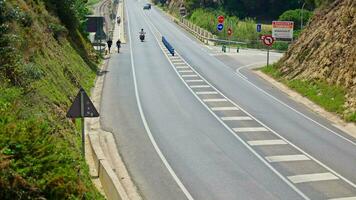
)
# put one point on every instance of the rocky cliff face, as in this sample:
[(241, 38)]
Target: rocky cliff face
[(326, 50)]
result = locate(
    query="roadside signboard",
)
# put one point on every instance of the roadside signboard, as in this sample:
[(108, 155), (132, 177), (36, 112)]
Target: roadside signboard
[(259, 28), (94, 23), (221, 19), (220, 27), (229, 31), (282, 29)]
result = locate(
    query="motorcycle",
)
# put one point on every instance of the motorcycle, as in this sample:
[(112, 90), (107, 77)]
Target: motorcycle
[(142, 37)]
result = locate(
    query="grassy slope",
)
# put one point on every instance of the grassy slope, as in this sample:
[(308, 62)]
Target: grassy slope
[(330, 97), (39, 147)]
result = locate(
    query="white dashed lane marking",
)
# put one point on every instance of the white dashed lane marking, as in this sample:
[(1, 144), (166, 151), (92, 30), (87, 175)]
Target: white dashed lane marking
[(312, 177), (237, 118), (223, 108), (250, 129), (194, 81), (199, 86), (344, 198), (206, 92), (185, 71), (287, 158), (214, 100), (265, 142), (190, 75)]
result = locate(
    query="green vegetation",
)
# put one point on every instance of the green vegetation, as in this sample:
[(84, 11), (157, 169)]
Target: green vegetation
[(244, 30), (330, 97), (92, 2), (295, 16), (43, 62)]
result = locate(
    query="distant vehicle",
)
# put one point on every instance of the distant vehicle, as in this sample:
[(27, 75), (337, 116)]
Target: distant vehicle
[(147, 6)]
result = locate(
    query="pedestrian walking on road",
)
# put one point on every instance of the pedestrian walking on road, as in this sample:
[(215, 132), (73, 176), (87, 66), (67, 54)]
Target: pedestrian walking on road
[(118, 20), (109, 42), (118, 45)]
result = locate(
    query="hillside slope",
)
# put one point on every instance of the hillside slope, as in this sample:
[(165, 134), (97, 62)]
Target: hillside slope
[(326, 51), (42, 65)]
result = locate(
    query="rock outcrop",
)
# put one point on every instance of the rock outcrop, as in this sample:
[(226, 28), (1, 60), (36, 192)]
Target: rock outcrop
[(326, 50)]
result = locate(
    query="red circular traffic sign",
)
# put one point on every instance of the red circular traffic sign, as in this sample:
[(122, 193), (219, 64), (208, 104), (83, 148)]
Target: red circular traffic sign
[(221, 19), (267, 40), (229, 31)]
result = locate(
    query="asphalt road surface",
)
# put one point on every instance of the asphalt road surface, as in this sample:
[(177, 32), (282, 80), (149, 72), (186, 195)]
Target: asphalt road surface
[(201, 125)]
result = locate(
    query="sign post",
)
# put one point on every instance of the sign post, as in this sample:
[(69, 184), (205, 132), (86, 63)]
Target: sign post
[(82, 107), (268, 40), (229, 33)]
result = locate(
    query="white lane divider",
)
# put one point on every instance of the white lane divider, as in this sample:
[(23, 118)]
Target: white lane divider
[(185, 71), (248, 144), (206, 92), (287, 158), (344, 198), (312, 177), (194, 80), (190, 75), (250, 129), (182, 67), (144, 121), (214, 100), (265, 142), (199, 86), (236, 118), (224, 108)]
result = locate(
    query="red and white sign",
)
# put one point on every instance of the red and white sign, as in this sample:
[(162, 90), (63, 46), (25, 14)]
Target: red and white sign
[(282, 29), (267, 39), (229, 32), (221, 19)]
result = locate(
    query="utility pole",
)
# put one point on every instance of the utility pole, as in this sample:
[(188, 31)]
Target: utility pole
[(301, 16)]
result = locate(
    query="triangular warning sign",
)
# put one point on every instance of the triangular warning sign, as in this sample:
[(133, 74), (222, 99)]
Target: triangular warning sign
[(89, 109)]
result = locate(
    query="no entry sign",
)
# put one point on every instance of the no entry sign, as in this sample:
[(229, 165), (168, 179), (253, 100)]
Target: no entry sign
[(221, 19)]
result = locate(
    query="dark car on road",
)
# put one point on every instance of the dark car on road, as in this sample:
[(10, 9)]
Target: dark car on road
[(147, 6)]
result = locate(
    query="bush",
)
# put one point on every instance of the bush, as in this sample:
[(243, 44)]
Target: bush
[(295, 16)]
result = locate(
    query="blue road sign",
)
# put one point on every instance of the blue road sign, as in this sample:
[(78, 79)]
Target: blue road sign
[(220, 27), (259, 28)]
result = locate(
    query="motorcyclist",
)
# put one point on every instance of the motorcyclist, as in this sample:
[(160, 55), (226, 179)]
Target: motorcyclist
[(142, 34)]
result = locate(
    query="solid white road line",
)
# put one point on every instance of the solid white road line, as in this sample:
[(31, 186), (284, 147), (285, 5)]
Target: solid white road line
[(190, 75), (224, 108), (228, 128), (344, 198), (214, 100), (265, 142), (287, 158), (312, 177), (207, 92), (147, 128), (237, 118), (250, 129), (199, 86), (194, 81)]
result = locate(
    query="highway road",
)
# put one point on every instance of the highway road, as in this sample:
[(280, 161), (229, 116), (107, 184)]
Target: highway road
[(200, 125)]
